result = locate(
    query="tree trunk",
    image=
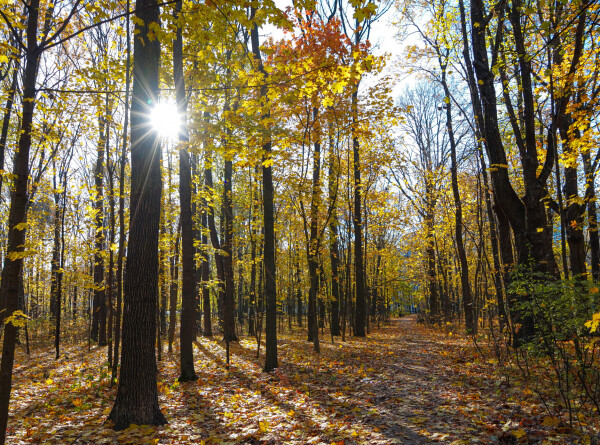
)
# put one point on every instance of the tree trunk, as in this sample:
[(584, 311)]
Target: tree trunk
[(137, 394), (205, 277), (361, 304), (314, 244), (269, 218), (122, 234), (99, 315), (470, 323), (188, 296), (592, 216), (173, 289), (9, 285)]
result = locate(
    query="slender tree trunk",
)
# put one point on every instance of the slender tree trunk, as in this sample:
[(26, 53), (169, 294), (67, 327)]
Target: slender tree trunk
[(99, 316), (111, 256), (173, 290), (227, 212), (6, 118), (269, 219), (253, 259), (205, 277), (592, 216), (361, 303), (468, 307), (313, 247), (298, 294), (188, 297), (122, 234), (214, 236)]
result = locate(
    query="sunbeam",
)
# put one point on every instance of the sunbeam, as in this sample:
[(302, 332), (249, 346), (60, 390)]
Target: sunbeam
[(166, 120)]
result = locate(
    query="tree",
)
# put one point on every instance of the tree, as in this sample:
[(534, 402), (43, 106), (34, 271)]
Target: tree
[(17, 218), (188, 297), (137, 394), (268, 213)]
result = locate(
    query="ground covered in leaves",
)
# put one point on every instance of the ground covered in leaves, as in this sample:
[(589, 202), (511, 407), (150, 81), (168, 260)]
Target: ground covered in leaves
[(404, 384)]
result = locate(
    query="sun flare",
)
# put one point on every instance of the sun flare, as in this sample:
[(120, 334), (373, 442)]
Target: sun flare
[(166, 120)]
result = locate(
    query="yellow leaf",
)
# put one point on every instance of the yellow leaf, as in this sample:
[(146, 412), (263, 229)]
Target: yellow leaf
[(550, 421), (49, 382), (263, 425), (519, 433)]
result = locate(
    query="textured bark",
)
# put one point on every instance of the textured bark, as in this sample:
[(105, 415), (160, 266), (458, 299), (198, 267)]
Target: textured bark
[(188, 288), (269, 221), (214, 235), (476, 104), (298, 295), (334, 251), (359, 269), (468, 306), (6, 118), (526, 215), (137, 395), (205, 277), (12, 269), (314, 243), (227, 212), (592, 216), (99, 317), (173, 290), (122, 234)]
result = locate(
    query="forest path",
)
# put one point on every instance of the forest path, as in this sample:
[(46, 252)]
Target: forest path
[(404, 384)]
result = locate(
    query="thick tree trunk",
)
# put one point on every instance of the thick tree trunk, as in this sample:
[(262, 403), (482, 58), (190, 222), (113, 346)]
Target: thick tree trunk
[(528, 216), (137, 394), (12, 269)]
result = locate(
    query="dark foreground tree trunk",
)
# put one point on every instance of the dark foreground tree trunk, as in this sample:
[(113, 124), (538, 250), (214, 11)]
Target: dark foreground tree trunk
[(188, 297), (137, 395), (9, 290)]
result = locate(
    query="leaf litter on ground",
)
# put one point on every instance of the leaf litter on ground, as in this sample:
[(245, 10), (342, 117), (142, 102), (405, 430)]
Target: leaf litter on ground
[(403, 384)]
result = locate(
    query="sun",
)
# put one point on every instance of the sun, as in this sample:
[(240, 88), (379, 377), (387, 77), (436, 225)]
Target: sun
[(166, 120)]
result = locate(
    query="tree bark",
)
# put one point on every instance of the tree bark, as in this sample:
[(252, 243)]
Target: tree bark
[(359, 270), (137, 394), (12, 269), (188, 297), (269, 218)]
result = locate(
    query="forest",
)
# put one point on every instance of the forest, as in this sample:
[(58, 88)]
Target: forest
[(324, 221)]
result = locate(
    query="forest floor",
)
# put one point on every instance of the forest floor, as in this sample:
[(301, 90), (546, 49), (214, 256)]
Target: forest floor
[(404, 384)]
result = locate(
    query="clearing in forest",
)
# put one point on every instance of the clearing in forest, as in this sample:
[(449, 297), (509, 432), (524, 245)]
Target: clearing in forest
[(404, 384)]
